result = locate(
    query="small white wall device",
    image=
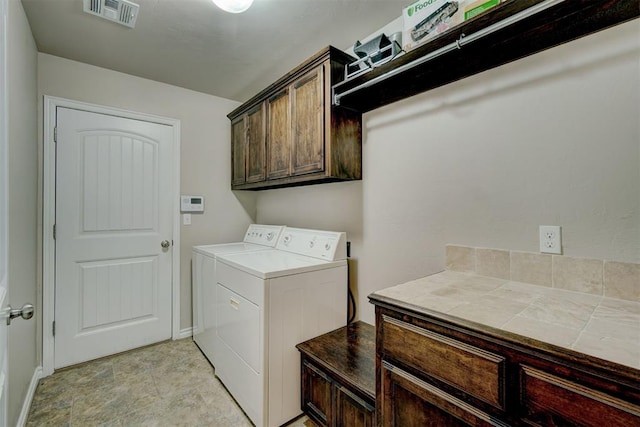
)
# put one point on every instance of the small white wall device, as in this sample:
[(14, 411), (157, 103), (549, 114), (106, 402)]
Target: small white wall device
[(191, 203)]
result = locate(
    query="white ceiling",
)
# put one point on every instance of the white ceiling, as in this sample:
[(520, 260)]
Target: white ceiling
[(195, 45)]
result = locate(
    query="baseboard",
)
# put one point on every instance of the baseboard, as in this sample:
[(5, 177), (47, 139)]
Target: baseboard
[(185, 333), (26, 405)]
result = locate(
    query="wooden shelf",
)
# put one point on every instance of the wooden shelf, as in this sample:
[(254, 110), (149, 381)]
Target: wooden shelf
[(556, 25)]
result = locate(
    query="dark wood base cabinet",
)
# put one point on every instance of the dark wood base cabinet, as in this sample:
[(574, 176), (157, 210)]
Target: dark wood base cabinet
[(436, 370), (338, 377)]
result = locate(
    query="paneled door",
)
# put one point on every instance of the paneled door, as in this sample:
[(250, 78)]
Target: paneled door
[(279, 134), (238, 150), (256, 146), (308, 123), (113, 235)]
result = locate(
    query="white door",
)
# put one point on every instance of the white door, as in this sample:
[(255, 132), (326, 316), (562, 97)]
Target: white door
[(4, 287), (113, 235)]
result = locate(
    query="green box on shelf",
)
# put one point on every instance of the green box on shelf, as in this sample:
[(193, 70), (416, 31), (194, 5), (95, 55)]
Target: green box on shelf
[(423, 20)]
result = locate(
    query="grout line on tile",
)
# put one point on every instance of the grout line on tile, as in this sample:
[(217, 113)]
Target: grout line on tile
[(586, 325), (575, 341)]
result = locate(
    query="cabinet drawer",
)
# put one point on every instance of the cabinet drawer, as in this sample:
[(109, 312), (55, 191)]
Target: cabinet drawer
[(550, 400), (472, 370), (409, 401)]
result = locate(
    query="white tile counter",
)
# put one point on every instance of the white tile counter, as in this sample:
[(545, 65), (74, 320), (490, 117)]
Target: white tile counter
[(604, 327)]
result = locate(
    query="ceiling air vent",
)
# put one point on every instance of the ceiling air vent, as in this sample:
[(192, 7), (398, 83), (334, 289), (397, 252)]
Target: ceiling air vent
[(121, 11)]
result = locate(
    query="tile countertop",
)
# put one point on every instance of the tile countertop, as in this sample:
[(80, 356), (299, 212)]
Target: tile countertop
[(606, 328)]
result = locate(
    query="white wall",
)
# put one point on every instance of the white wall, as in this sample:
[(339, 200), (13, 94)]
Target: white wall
[(552, 139), (22, 201), (205, 147)]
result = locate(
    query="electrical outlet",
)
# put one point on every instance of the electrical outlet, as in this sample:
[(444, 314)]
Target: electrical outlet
[(550, 239)]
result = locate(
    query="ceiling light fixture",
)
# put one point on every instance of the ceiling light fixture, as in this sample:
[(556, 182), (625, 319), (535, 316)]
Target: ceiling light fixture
[(233, 6)]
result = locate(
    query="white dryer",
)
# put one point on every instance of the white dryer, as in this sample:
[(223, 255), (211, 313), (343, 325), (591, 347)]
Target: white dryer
[(203, 271), (269, 301)]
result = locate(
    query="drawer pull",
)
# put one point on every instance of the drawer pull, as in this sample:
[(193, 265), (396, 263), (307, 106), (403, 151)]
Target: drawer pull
[(234, 303)]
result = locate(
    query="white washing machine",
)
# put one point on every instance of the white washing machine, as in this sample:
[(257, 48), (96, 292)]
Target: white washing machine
[(203, 271), (269, 301)]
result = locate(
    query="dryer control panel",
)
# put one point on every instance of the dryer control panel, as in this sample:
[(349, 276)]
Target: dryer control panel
[(261, 234), (326, 245)]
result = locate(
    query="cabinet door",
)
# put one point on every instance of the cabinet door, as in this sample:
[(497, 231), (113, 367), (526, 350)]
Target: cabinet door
[(316, 394), (407, 401), (351, 411), (308, 123), (255, 144), (238, 144), (279, 135)]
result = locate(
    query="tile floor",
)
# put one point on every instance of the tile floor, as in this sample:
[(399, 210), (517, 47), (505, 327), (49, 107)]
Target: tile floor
[(166, 384)]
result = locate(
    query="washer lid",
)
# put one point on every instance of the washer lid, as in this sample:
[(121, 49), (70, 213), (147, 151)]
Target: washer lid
[(257, 237), (275, 263), (229, 248)]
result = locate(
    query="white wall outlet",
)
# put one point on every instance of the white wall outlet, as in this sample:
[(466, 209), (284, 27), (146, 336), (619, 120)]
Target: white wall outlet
[(550, 239)]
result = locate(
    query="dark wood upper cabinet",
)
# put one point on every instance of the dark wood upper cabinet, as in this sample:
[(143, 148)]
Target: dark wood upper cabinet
[(293, 135), (311, 131)]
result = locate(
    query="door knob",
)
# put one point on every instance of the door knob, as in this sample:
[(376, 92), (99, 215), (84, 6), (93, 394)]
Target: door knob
[(26, 312), (165, 244)]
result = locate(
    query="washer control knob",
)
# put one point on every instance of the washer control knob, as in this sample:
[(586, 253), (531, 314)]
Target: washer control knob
[(311, 244), (270, 236), (287, 239), (327, 246)]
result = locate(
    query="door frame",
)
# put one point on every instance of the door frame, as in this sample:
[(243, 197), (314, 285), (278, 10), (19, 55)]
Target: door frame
[(49, 213), (4, 209)]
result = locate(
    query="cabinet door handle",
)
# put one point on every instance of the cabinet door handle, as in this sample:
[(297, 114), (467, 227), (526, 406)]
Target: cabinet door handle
[(234, 303)]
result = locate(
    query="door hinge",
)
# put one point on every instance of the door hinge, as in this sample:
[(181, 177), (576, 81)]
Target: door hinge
[(55, 134), (54, 232), (53, 328)]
